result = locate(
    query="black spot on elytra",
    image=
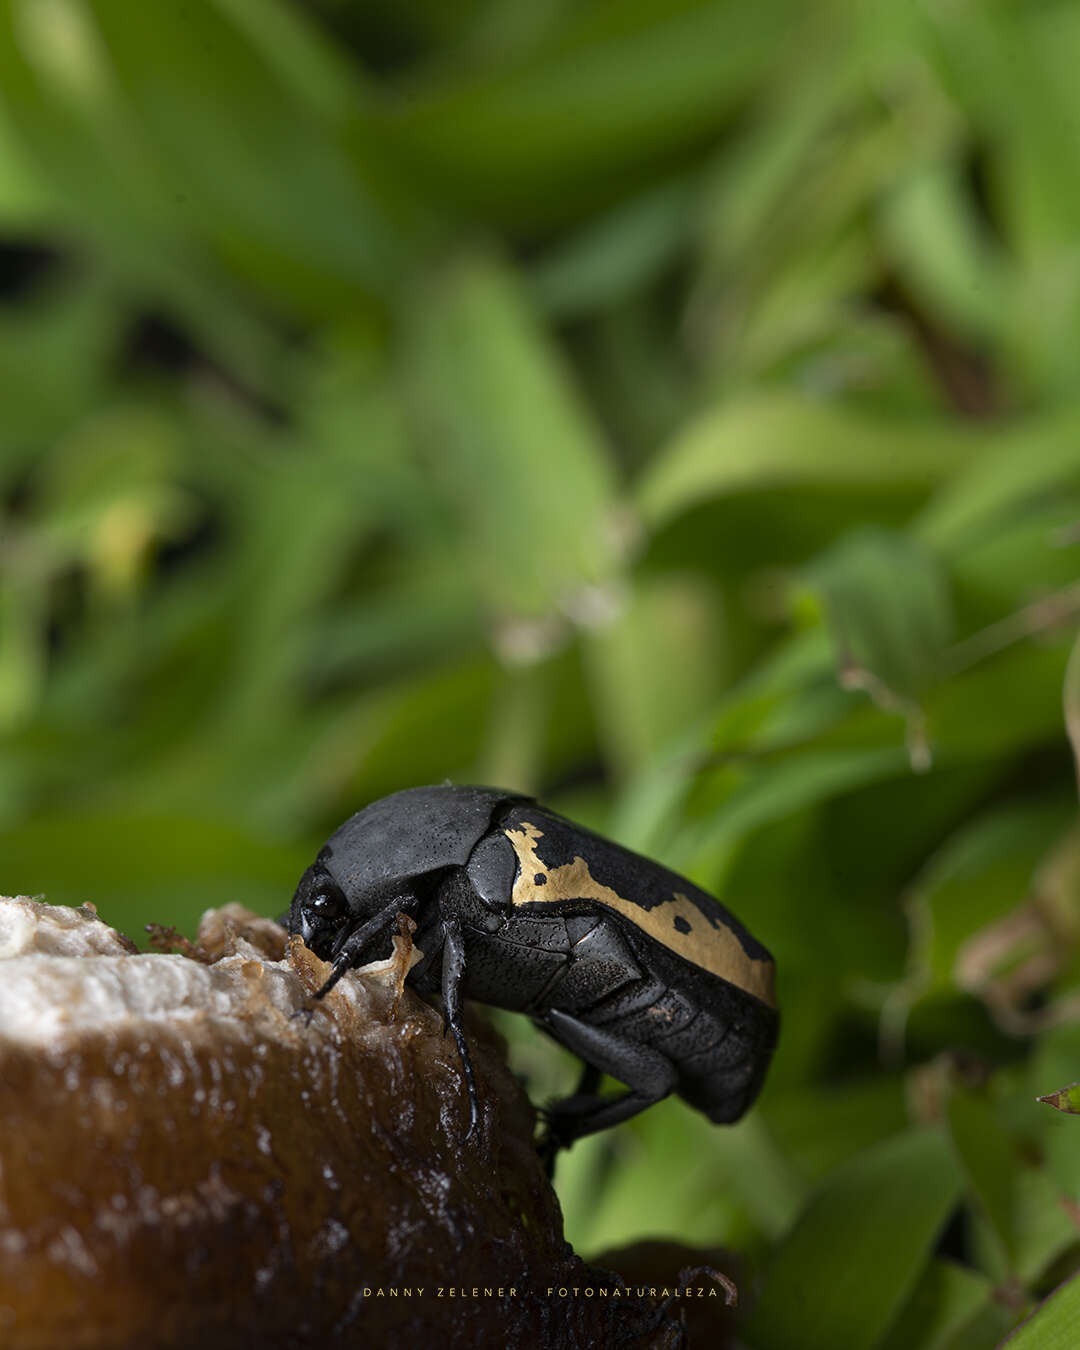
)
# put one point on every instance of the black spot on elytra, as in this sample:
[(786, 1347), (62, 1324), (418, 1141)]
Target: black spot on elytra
[(540, 879), (681, 925)]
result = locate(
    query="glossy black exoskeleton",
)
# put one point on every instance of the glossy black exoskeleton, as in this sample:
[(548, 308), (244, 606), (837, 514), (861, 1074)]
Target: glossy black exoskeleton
[(631, 966)]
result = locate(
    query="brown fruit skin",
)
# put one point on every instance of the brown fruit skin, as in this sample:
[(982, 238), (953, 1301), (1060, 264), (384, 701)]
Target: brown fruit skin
[(221, 1173)]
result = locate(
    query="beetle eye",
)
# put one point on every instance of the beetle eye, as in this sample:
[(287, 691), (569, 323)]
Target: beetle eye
[(328, 904)]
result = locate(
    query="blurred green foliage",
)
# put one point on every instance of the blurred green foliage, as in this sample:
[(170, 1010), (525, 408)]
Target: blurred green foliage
[(669, 408)]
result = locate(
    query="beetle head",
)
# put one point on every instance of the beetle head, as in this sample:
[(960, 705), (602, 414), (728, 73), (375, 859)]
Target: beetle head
[(319, 910)]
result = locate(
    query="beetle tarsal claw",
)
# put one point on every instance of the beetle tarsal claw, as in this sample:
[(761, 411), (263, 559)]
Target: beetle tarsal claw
[(474, 1122), (474, 1106), (548, 1148)]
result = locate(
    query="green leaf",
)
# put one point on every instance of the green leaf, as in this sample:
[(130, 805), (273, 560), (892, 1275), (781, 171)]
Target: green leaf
[(977, 877), (889, 609), (947, 1299), (259, 168), (819, 1128), (988, 1157), (1057, 1060), (615, 89), (855, 1254), (655, 666), (1066, 1099), (732, 1180), (22, 648), (963, 714), (301, 52), (767, 440), (109, 191), (1052, 1326), (1046, 1228), (23, 197), (1071, 698), (52, 360), (935, 238), (513, 448), (1017, 466), (751, 798), (611, 258)]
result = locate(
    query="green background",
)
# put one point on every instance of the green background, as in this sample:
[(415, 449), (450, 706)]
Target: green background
[(670, 408)]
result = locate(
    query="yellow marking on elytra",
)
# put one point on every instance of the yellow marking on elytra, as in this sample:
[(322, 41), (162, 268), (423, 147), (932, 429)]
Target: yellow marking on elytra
[(715, 949)]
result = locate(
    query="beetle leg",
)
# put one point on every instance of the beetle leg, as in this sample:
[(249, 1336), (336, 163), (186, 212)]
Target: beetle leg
[(453, 969), (354, 944), (551, 1142), (649, 1072), (588, 1082)]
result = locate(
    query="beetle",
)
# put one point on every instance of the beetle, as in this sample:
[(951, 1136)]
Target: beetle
[(639, 972)]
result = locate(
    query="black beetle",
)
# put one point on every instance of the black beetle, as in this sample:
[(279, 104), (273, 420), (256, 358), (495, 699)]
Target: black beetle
[(635, 969)]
